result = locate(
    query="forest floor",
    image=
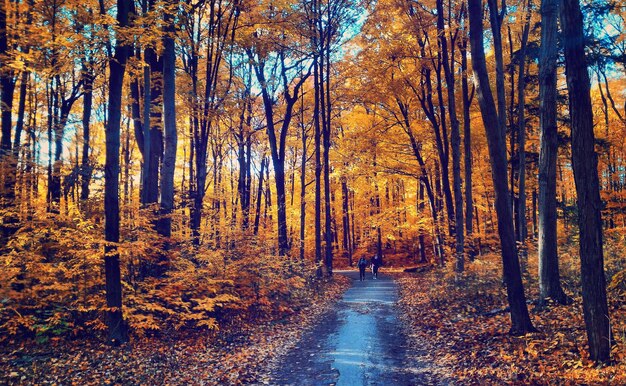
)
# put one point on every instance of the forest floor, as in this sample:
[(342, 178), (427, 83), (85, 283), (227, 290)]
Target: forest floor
[(463, 325), (235, 355), (361, 341), (427, 327)]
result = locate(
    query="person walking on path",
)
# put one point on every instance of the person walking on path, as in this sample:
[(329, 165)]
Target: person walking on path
[(377, 261), (362, 264)]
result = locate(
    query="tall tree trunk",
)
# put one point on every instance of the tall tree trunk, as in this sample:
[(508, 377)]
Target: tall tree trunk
[(377, 206), (585, 165), (467, 140), (346, 218), (155, 138), (8, 163), (142, 127), (303, 185), (244, 154), (328, 234), (87, 104), (495, 19), (113, 286), (455, 139), (549, 279), (444, 157), (277, 138), (494, 129), (164, 226), (420, 207), (330, 218), (521, 123), (7, 87), (318, 169), (49, 126)]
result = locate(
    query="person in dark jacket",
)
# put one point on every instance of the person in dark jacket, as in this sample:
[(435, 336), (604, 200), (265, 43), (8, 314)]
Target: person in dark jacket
[(377, 261), (362, 264)]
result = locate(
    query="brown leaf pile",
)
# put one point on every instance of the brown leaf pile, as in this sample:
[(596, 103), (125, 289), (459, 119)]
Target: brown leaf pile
[(463, 322), (238, 354)]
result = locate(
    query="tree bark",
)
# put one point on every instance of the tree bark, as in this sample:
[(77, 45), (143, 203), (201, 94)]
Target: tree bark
[(164, 225), (467, 140), (113, 286), (494, 131), (521, 123), (155, 138), (303, 189), (328, 233), (259, 196), (455, 141), (346, 218), (86, 169), (549, 278), (8, 161), (585, 165)]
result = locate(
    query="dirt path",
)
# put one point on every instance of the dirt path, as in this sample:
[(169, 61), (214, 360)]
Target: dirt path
[(360, 342)]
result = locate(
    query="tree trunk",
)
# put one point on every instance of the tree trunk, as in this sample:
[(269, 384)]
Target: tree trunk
[(164, 225), (244, 154), (151, 177), (521, 123), (444, 159), (7, 163), (259, 196), (346, 219), (113, 286), (281, 210), (467, 140), (303, 191), (549, 279), (494, 131), (328, 234), (277, 138), (585, 165), (19, 125), (88, 78), (455, 139), (318, 170)]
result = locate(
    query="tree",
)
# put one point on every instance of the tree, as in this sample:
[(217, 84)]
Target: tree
[(549, 280), (7, 86), (585, 165), (215, 35), (164, 225), (494, 130), (521, 124), (467, 131), (279, 70), (147, 116), (86, 167), (113, 288), (455, 137)]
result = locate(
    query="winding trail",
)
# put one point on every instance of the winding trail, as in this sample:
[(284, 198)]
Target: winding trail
[(360, 342)]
